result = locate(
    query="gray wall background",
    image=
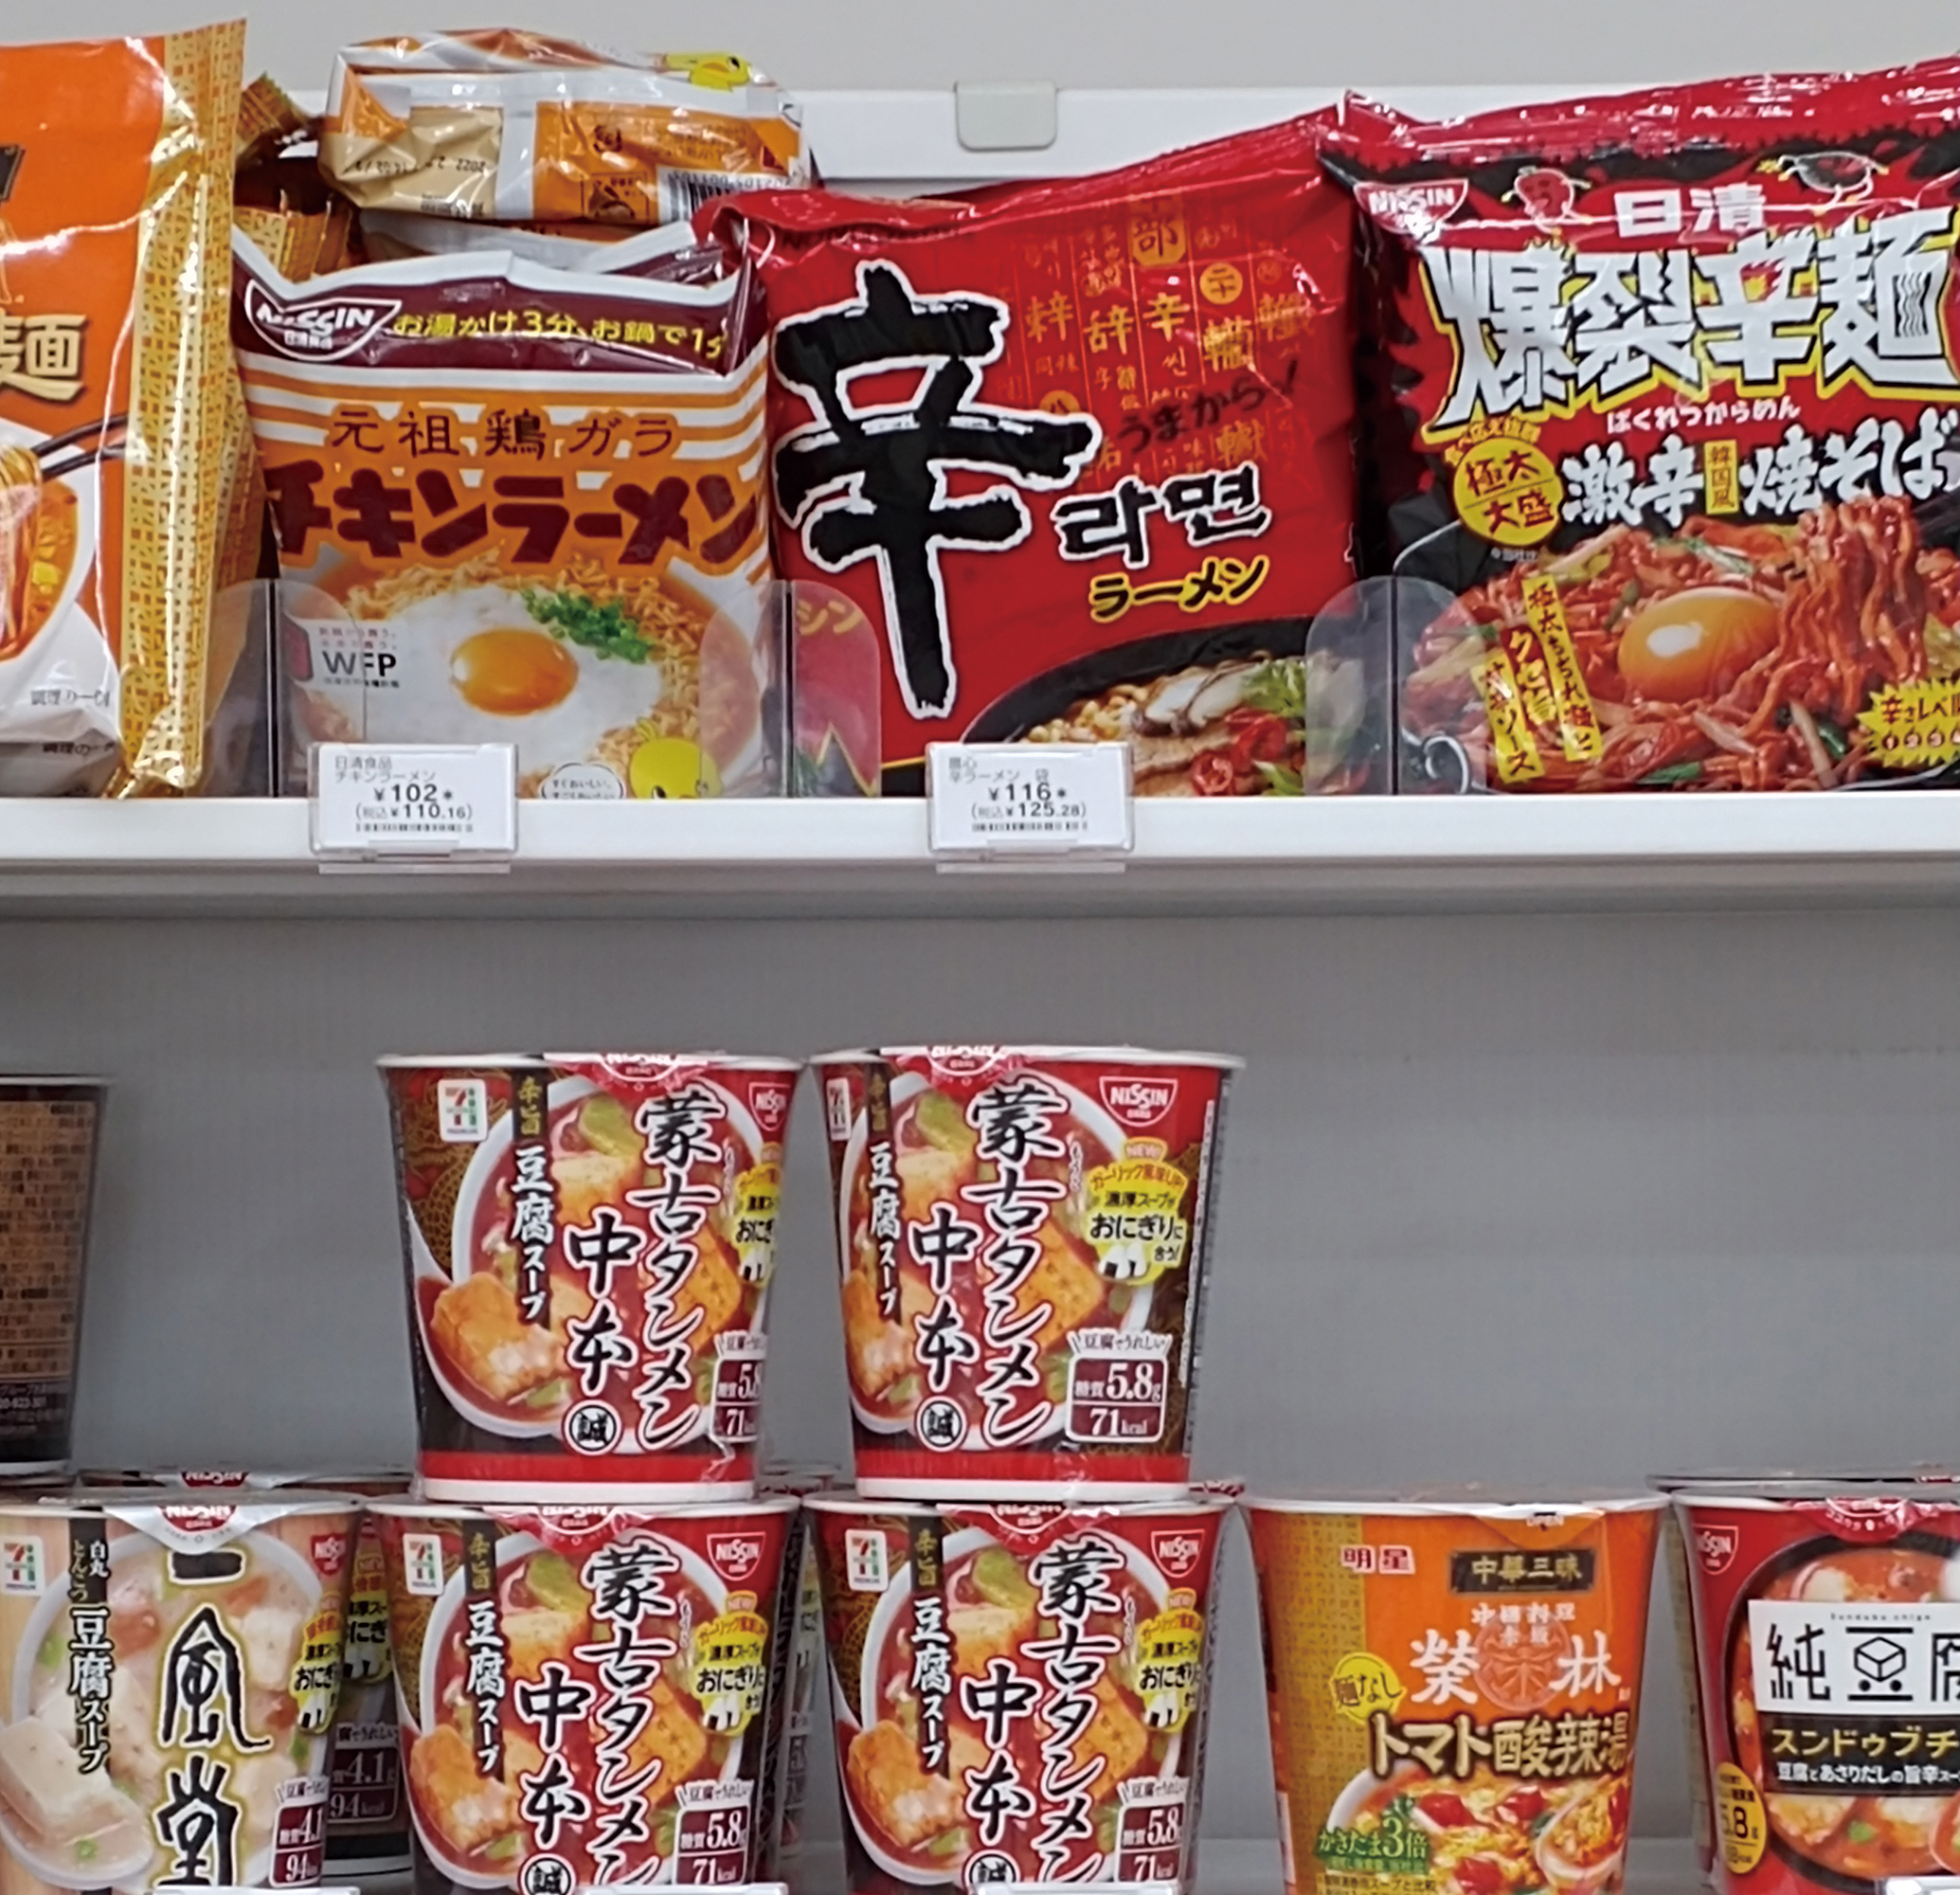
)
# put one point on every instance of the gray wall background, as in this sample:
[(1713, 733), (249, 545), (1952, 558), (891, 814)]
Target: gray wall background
[(1518, 1197)]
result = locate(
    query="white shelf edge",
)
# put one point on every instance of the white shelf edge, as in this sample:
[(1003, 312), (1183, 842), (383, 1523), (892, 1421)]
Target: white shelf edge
[(847, 858)]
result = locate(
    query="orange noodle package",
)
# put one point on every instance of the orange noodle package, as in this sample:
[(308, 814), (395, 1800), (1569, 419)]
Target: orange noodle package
[(583, 1692), (115, 162), (513, 126), (1664, 404), (1067, 461), (1021, 1691), (521, 501), (1023, 1236), (1453, 1683), (588, 1242), (1825, 1633)]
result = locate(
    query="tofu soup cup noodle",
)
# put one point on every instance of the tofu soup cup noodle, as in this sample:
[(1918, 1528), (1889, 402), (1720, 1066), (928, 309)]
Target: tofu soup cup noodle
[(979, 1654), (168, 1668), (49, 1134), (366, 1813), (1023, 1238), (1453, 1686), (582, 1691), (1694, 1720), (798, 1657), (589, 1239), (1826, 1617)]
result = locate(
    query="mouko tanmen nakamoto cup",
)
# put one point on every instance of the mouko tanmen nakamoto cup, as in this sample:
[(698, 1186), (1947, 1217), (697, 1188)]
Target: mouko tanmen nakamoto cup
[(1453, 1682), (1019, 1689), (589, 1240), (1022, 1235)]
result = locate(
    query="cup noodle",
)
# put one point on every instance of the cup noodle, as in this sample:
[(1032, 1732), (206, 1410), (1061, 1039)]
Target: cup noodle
[(582, 1691), (367, 1814), (1019, 1689), (1022, 1236), (1827, 1642), (589, 1239), (170, 1664), (1453, 1686)]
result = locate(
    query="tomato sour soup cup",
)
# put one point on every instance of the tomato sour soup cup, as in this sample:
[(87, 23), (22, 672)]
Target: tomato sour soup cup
[(583, 1692), (1022, 1241), (1827, 1641), (589, 1239), (1453, 1686), (1019, 1689), (170, 1664)]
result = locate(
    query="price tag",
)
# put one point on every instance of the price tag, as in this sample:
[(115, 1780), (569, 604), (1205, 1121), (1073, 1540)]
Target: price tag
[(991, 801), (446, 804)]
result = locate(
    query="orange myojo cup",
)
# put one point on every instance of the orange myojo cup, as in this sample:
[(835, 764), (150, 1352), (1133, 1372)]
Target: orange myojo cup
[(1453, 1683)]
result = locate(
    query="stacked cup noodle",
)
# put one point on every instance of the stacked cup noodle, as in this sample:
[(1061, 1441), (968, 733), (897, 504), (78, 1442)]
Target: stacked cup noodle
[(586, 1605), (1016, 1599)]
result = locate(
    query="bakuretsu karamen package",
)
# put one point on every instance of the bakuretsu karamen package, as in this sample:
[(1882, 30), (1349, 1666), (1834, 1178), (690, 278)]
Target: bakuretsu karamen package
[(1660, 394)]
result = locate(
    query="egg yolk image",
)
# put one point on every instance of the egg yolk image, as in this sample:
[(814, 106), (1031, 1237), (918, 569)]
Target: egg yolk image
[(1696, 643), (510, 673)]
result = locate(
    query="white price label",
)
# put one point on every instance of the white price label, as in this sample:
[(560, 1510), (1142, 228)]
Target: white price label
[(409, 802), (1029, 799)]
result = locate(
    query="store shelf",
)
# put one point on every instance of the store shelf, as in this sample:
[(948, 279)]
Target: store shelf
[(815, 859)]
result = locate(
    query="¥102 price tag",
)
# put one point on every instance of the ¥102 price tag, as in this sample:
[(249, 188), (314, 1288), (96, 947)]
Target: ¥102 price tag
[(452, 805), (1024, 802)]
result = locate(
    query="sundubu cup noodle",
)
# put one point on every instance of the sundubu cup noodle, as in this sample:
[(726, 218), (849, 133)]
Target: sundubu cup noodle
[(1023, 1238), (1827, 1638), (168, 1668), (1019, 1689), (366, 1813), (1454, 1685), (1679, 1586), (589, 1239), (583, 1690)]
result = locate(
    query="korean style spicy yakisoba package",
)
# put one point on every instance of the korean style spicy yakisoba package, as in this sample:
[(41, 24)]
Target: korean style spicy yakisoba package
[(116, 469), (521, 503), (513, 126), (1069, 460), (1661, 405)]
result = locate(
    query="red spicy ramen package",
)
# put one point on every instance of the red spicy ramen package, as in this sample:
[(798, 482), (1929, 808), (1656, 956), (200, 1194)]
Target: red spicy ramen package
[(1077, 452), (1662, 400)]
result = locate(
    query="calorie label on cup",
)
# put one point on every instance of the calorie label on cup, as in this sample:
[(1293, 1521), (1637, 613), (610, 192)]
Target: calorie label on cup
[(1117, 1395)]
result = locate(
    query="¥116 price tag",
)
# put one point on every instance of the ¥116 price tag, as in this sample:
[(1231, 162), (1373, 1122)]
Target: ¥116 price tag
[(1026, 800), (446, 804)]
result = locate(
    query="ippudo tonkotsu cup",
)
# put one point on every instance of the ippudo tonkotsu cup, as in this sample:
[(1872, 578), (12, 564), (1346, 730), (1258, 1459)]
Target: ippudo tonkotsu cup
[(1022, 1241), (589, 1239), (1018, 1689), (169, 1666), (367, 1814), (1453, 1686), (583, 1692), (1827, 1639)]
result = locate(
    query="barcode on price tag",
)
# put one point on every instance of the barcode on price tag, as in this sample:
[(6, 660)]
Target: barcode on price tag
[(1023, 799), (397, 802)]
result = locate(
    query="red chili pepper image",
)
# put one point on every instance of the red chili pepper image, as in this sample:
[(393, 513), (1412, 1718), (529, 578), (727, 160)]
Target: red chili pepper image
[(1546, 196)]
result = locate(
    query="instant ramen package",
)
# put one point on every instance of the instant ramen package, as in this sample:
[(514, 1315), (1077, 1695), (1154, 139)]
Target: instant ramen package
[(1066, 461), (115, 404), (511, 126), (520, 504), (1663, 405)]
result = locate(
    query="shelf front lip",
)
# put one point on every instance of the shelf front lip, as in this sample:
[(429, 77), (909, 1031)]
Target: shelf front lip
[(812, 858)]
